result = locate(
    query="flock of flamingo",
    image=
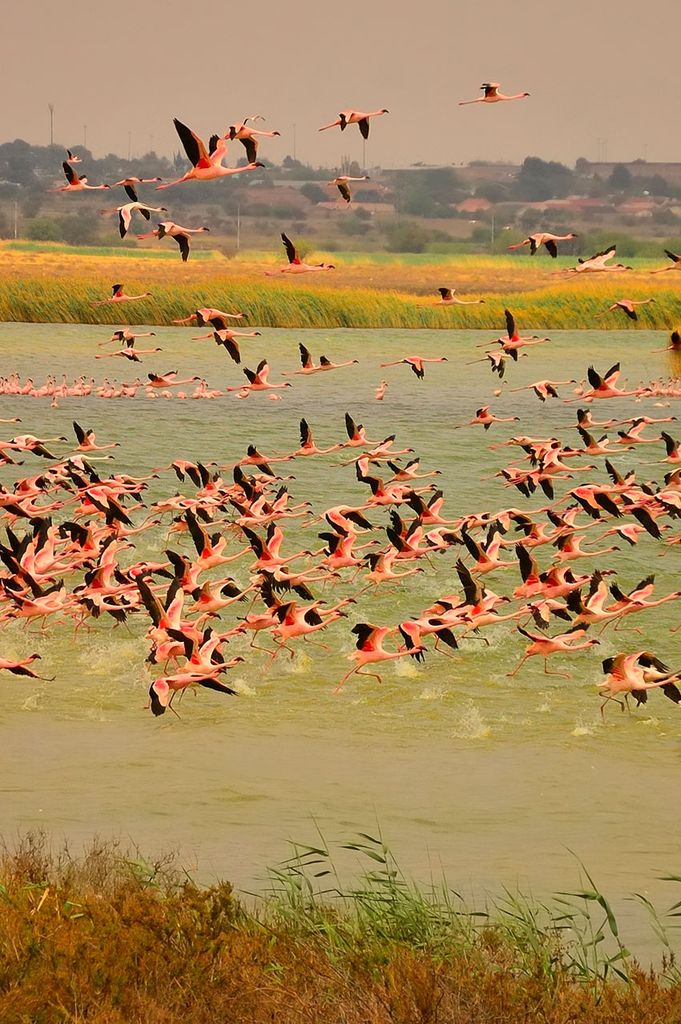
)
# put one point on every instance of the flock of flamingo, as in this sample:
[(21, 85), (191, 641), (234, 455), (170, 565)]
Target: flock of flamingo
[(73, 524)]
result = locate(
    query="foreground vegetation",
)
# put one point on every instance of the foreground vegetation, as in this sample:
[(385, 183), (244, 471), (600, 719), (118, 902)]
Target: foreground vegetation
[(49, 284), (114, 940)]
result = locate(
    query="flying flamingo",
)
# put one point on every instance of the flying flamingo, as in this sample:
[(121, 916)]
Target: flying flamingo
[(308, 366), (416, 363), (370, 650), (347, 117), (206, 163), (247, 136), (71, 158), (674, 344), (676, 263), (635, 674), (341, 182), (598, 264), (118, 295), (295, 264), (126, 211), (129, 185), (627, 306), (208, 315), (177, 232), (20, 668), (543, 646), (76, 184), (540, 238), (492, 95), (448, 298)]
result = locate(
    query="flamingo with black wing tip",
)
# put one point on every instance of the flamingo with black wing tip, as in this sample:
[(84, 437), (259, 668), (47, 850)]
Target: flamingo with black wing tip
[(417, 363), (71, 158), (308, 366), (370, 650), (491, 94), (448, 298), (74, 183), (599, 263), (181, 235), (341, 183), (206, 163), (540, 238), (674, 343), (676, 263), (628, 307), (295, 264), (248, 136), (357, 117), (126, 211), (118, 295)]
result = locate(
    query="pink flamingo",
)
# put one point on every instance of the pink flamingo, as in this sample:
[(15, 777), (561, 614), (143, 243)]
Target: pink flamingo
[(206, 163), (491, 94), (347, 117)]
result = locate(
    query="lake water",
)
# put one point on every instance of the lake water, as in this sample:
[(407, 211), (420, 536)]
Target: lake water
[(490, 779)]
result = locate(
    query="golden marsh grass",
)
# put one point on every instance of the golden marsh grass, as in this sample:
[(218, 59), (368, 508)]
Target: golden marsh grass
[(55, 284)]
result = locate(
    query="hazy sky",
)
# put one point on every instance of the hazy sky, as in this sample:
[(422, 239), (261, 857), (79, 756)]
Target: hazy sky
[(603, 75)]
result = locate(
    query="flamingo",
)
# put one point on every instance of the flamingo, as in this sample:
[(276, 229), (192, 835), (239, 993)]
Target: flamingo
[(295, 264), (126, 211), (208, 315), (416, 363), (20, 668), (598, 264), (118, 295), (379, 393), (177, 232), (206, 163), (674, 344), (308, 366), (676, 263), (491, 94), (71, 158), (540, 238), (75, 183), (129, 185), (635, 674), (627, 306), (543, 646), (347, 117), (448, 298), (341, 182), (370, 650), (246, 136), (226, 338)]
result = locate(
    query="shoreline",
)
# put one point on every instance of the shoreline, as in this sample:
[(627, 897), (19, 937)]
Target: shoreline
[(114, 937)]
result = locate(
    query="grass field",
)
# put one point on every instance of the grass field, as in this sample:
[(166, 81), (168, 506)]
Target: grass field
[(49, 282), (116, 939)]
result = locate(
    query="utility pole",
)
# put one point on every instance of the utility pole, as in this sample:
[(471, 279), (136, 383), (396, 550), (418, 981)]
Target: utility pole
[(50, 107), (294, 142)]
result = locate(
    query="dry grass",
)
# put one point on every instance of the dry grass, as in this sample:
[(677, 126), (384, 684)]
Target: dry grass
[(56, 286), (110, 940)]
